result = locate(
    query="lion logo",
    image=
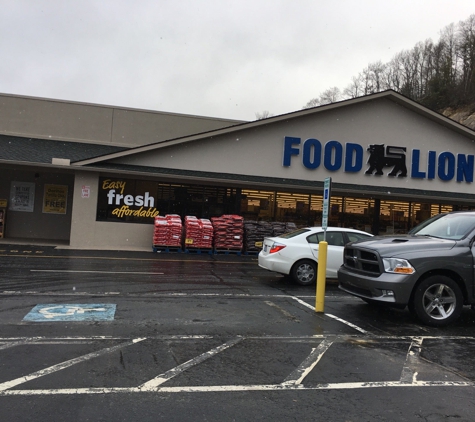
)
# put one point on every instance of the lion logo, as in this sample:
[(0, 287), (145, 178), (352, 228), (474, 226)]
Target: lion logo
[(395, 157)]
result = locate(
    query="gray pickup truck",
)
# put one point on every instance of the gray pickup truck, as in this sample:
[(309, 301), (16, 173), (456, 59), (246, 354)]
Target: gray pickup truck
[(430, 270)]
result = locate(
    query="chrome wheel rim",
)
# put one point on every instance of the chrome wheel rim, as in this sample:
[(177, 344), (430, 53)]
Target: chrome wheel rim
[(305, 273), (439, 301)]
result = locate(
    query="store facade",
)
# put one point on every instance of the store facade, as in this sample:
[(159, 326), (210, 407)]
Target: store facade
[(392, 162)]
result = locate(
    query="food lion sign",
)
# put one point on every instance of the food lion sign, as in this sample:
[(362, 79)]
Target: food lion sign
[(396, 160)]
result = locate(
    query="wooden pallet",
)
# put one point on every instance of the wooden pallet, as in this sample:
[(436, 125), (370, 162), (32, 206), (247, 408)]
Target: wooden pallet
[(167, 249), (228, 251), (199, 251)]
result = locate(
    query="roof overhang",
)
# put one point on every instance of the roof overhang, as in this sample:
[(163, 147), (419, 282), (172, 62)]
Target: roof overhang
[(390, 95)]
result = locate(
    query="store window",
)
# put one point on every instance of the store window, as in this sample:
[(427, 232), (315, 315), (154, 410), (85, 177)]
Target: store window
[(356, 213), (258, 205), (139, 201), (293, 207)]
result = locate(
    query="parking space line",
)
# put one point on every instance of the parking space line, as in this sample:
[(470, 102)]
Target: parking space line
[(350, 324), (19, 342), (13, 383), (297, 376), (95, 272), (293, 382), (237, 388), (160, 379), (408, 373), (302, 302)]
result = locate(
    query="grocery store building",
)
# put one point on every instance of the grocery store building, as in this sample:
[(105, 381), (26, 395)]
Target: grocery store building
[(89, 176)]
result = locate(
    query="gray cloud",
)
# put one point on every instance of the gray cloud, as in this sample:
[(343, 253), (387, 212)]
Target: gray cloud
[(206, 57)]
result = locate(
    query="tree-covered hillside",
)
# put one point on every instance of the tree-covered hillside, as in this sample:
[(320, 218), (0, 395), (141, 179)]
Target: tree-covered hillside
[(439, 75)]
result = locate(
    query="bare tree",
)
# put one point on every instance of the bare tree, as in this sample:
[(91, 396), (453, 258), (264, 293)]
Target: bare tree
[(466, 50), (437, 74), (355, 89), (314, 102), (264, 115), (329, 96)]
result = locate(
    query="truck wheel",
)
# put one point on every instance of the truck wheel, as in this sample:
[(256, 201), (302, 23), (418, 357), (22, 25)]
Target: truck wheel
[(304, 272), (437, 301)]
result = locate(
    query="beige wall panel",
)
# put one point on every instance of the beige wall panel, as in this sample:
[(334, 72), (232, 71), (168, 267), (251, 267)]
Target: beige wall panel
[(259, 151), (63, 120), (48, 119), (87, 233), (133, 127)]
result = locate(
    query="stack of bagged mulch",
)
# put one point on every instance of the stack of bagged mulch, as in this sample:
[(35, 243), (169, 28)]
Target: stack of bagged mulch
[(254, 234), (281, 228), (228, 232), (168, 230), (198, 233)]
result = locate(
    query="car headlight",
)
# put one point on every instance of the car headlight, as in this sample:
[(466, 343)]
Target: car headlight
[(398, 266)]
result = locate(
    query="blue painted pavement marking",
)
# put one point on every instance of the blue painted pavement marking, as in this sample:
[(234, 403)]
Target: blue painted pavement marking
[(72, 312)]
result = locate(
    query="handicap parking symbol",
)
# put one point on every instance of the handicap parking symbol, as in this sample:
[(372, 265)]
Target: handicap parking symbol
[(72, 312)]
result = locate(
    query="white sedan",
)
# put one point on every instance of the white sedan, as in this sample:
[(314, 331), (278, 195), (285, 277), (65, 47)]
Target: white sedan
[(296, 253)]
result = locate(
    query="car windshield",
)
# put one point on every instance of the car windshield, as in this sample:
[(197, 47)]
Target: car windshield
[(448, 226), (294, 233)]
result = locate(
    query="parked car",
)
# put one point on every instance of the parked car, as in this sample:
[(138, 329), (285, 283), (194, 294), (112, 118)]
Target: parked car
[(296, 253), (430, 270)]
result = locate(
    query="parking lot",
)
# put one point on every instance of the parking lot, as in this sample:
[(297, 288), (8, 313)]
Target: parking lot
[(189, 337)]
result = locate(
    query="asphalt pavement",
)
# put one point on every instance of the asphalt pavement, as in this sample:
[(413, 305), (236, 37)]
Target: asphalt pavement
[(126, 336)]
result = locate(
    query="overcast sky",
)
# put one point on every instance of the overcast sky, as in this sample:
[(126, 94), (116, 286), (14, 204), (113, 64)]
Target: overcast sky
[(220, 58)]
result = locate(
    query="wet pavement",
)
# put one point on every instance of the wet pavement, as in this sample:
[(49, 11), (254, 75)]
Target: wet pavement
[(214, 337)]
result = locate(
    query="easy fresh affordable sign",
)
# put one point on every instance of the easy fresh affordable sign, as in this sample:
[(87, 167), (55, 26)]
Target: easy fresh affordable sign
[(122, 200)]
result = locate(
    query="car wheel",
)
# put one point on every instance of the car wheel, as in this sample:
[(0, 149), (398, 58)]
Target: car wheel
[(304, 272), (437, 301)]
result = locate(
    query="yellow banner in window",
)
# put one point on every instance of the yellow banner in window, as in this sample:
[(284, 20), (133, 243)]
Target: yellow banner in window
[(55, 199)]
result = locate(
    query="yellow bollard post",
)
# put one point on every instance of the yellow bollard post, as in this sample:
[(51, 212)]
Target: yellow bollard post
[(321, 276)]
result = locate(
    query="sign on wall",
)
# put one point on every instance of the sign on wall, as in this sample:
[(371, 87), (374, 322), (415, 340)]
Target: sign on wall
[(22, 196), (85, 191), (126, 200), (380, 159), (55, 199)]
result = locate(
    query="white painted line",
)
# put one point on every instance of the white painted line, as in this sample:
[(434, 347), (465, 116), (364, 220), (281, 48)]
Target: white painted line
[(302, 302), (348, 323), (160, 379), (236, 388), (205, 336), (297, 376), (13, 383), (20, 342), (74, 293), (46, 340), (162, 295), (330, 315), (94, 272), (292, 383), (408, 373)]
